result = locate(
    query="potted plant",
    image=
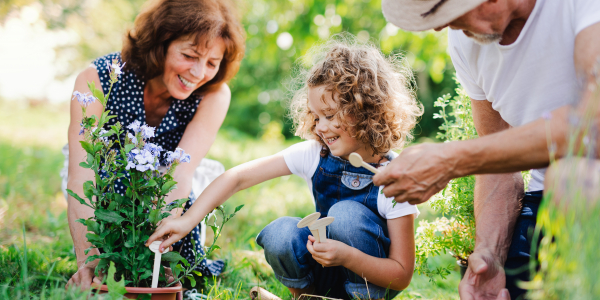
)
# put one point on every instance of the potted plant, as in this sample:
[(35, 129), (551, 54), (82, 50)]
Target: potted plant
[(122, 223), (454, 232)]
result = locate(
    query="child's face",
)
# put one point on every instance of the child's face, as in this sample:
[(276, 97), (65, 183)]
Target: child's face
[(328, 127)]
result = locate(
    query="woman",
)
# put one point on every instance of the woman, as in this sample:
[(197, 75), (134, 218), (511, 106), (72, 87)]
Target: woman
[(178, 57)]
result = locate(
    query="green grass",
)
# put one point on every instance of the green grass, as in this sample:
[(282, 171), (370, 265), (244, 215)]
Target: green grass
[(30, 199)]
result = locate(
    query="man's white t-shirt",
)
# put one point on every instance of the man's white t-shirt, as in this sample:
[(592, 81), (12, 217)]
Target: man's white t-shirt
[(303, 159), (533, 75)]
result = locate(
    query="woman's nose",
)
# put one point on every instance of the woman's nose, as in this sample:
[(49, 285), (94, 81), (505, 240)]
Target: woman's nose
[(197, 70)]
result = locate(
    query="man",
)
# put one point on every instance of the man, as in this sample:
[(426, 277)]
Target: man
[(519, 61)]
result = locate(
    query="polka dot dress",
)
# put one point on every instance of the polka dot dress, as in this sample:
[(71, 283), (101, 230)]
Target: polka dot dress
[(127, 103)]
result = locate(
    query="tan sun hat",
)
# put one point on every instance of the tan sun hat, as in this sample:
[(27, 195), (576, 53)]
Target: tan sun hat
[(420, 15)]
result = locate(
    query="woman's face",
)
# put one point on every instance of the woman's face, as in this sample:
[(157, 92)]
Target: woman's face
[(189, 66)]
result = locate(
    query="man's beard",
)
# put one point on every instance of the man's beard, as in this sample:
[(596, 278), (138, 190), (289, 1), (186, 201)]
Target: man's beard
[(486, 39)]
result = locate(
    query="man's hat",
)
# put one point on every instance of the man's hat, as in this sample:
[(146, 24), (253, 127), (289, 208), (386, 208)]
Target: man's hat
[(419, 15)]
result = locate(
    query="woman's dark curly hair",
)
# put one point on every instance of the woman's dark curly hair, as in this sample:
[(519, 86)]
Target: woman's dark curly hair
[(374, 101), (164, 21)]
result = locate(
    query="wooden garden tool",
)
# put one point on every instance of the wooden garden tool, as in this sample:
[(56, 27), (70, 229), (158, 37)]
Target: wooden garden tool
[(357, 161), (317, 227)]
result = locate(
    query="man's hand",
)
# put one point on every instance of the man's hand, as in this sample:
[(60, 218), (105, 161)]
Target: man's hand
[(418, 173), (330, 253), (84, 276), (484, 278)]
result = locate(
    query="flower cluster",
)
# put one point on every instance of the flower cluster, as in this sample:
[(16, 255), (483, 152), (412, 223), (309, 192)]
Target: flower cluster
[(142, 160), (83, 99), (177, 156), (147, 131)]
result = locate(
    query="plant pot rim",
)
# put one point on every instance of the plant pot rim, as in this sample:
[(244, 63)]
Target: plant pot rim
[(144, 290)]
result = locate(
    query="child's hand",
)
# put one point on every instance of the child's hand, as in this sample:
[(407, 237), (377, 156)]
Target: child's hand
[(172, 230), (330, 253)]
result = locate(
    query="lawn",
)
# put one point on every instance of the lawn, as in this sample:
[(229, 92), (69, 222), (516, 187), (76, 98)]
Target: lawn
[(33, 223)]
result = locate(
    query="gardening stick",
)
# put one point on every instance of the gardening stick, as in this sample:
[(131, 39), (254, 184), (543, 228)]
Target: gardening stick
[(157, 256)]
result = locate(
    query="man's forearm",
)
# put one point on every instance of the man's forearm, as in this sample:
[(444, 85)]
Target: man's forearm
[(497, 207), (516, 149)]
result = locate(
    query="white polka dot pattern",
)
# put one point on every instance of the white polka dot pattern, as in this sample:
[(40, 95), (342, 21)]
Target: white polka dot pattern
[(126, 101)]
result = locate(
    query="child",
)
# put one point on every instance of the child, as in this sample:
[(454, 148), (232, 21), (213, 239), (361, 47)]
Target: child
[(352, 100)]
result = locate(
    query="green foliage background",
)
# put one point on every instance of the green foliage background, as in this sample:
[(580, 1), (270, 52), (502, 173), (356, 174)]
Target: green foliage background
[(266, 67)]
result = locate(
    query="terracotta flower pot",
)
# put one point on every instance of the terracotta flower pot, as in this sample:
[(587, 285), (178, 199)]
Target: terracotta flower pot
[(167, 293)]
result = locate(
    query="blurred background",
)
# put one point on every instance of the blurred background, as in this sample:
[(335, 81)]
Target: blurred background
[(43, 46)]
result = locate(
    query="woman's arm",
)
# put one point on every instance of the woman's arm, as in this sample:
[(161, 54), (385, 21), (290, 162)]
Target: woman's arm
[(198, 138), (232, 181), (77, 176), (394, 272)]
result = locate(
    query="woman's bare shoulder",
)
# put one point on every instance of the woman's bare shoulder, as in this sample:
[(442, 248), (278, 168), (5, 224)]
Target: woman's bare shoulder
[(221, 94), (87, 75)]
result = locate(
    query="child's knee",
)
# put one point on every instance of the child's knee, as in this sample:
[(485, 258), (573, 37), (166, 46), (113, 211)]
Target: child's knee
[(281, 237), (349, 215)]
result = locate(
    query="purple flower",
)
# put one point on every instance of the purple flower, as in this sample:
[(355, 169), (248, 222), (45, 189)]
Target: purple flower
[(185, 158), (144, 157), (155, 149), (178, 156), (115, 67), (147, 131), (132, 137), (104, 139), (130, 165), (83, 99), (135, 126), (144, 168)]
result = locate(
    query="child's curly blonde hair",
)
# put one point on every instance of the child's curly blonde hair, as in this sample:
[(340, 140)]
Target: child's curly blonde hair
[(376, 105)]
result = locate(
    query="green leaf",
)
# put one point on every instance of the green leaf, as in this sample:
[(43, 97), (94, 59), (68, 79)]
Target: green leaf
[(150, 183), (92, 226), (166, 188), (192, 280), (98, 147), (154, 216), (87, 147), (238, 208), (88, 189), (120, 199), (116, 289), (92, 237), (174, 257), (97, 93), (144, 297), (128, 147), (109, 216), (85, 165), (70, 192)]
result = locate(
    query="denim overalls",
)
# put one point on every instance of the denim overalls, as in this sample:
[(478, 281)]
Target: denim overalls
[(348, 194)]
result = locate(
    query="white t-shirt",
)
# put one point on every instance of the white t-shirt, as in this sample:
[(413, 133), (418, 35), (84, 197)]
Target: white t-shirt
[(536, 73), (303, 159)]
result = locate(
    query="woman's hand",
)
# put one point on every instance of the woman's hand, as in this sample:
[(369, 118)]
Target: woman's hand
[(172, 230), (84, 277), (330, 253)]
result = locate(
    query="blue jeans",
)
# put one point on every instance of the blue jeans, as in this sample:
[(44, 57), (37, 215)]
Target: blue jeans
[(354, 225), (517, 262)]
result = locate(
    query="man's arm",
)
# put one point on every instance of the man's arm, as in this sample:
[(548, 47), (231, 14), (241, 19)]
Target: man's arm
[(497, 203), (423, 170)]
